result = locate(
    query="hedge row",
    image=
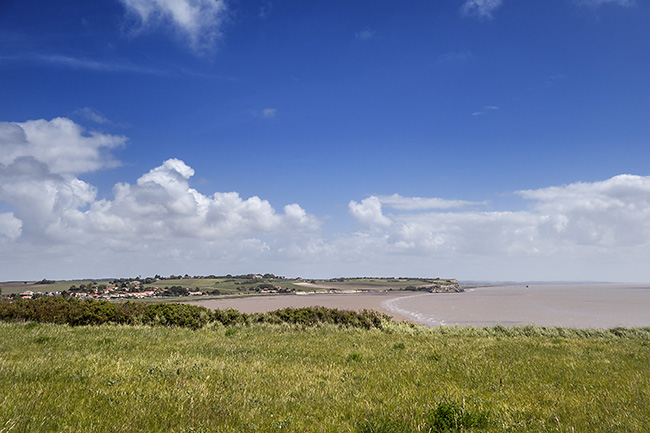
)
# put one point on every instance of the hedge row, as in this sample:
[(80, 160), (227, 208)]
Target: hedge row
[(77, 312)]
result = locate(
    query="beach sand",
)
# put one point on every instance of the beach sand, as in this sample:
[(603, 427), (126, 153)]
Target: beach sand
[(348, 301)]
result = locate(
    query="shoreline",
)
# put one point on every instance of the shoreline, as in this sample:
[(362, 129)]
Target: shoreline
[(578, 306), (356, 301)]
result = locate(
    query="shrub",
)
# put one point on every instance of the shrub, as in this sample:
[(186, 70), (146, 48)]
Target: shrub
[(446, 416), (451, 417), (184, 315), (77, 312)]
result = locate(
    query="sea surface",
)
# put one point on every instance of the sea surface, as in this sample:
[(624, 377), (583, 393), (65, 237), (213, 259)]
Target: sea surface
[(568, 305)]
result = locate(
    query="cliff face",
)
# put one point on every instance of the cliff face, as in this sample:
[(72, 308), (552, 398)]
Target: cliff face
[(451, 287)]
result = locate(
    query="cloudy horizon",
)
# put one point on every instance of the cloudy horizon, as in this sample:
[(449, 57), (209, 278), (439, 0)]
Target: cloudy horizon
[(215, 153)]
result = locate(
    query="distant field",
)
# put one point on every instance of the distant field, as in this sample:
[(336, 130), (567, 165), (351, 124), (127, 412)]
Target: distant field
[(381, 283), (229, 286), (270, 378), (224, 285), (11, 287)]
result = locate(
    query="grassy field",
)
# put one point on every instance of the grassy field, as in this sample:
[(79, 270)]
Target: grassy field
[(233, 286), (11, 287), (385, 283), (226, 286), (56, 378)]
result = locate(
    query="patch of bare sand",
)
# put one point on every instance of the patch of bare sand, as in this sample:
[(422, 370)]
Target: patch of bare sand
[(352, 301)]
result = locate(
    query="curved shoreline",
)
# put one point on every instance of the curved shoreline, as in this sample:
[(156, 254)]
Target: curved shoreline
[(422, 318), (342, 301), (581, 306), (565, 305)]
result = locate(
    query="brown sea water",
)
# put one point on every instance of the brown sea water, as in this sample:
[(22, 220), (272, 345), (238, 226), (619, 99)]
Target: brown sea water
[(568, 305)]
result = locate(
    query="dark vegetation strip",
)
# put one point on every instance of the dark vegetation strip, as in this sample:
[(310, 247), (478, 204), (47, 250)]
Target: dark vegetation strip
[(76, 312)]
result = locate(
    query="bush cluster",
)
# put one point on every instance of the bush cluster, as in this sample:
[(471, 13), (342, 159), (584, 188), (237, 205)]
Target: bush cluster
[(311, 316), (447, 416), (75, 312)]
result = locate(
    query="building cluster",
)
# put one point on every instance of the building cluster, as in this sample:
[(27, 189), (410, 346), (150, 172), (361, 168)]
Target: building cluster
[(111, 293)]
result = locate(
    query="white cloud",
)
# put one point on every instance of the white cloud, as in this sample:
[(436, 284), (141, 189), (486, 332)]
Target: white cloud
[(268, 113), (486, 109), (83, 63), (611, 213), (397, 201), (93, 115), (596, 3), (160, 213), (603, 224), (61, 144), (480, 8), (51, 219), (369, 213), (200, 22), (364, 35), (10, 226)]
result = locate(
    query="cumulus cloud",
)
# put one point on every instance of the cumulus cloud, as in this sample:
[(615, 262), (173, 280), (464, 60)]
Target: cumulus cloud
[(10, 226), (611, 213), (369, 213), (53, 219), (480, 8), (39, 164), (162, 205), (61, 144), (200, 22), (608, 217)]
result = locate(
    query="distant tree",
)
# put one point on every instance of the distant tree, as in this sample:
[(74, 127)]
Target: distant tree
[(176, 291)]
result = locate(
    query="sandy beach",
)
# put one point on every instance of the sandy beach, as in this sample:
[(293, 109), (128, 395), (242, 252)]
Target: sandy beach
[(347, 301)]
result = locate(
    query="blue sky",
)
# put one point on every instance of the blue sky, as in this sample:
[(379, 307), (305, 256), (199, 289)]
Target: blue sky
[(475, 139)]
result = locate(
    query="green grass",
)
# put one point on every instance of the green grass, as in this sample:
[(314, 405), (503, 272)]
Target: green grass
[(232, 286), (9, 288), (224, 285), (395, 283), (56, 378)]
